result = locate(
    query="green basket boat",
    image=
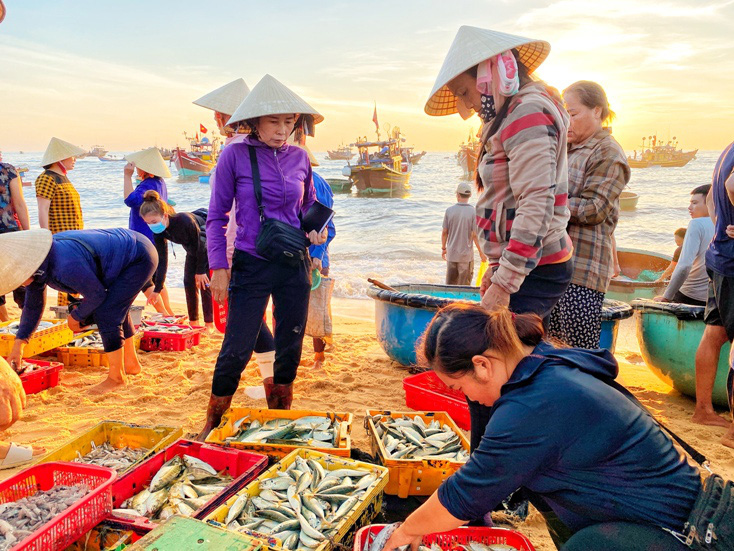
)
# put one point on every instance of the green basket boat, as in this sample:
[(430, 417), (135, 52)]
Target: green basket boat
[(669, 334), (633, 261)]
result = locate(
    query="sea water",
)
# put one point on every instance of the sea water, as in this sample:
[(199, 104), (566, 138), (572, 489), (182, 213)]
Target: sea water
[(395, 240)]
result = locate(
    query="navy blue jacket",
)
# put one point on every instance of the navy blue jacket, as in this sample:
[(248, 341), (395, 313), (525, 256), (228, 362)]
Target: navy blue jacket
[(560, 430), (71, 268)]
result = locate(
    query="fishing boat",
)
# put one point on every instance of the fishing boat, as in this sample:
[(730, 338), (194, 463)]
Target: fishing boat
[(628, 200), (199, 160), (339, 185), (111, 159), (628, 286), (165, 153), (408, 155), (657, 153), (96, 151), (669, 335), (467, 156), (403, 314), (342, 153), (384, 173)]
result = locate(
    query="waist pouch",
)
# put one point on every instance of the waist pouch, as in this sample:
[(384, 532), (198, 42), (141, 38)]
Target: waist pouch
[(711, 522), (276, 241)]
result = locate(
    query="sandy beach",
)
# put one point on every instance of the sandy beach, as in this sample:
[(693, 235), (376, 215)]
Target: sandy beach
[(174, 390)]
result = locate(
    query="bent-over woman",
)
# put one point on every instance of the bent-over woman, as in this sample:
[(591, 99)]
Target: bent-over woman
[(287, 192), (107, 267), (590, 458), (188, 229)]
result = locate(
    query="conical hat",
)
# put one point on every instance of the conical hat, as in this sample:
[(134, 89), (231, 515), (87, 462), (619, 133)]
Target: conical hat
[(225, 99), (471, 46), (23, 253), (270, 97), (150, 160), (58, 150)]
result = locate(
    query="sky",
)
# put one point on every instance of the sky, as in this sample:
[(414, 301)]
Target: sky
[(124, 73)]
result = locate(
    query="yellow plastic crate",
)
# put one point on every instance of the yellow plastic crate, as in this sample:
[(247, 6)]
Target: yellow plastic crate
[(40, 341), (277, 451), (362, 515), (79, 356), (119, 435), (414, 477)]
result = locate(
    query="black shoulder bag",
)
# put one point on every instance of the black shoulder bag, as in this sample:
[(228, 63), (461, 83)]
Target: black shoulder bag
[(710, 525), (276, 241)]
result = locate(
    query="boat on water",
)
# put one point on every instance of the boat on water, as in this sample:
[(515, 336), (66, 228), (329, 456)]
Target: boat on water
[(111, 159), (408, 154), (340, 185), (657, 153), (165, 153), (199, 160), (467, 156), (342, 153), (384, 173), (402, 315), (633, 281), (96, 151), (628, 200), (669, 335)]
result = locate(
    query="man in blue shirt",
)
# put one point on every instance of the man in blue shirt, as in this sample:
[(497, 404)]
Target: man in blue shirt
[(719, 316)]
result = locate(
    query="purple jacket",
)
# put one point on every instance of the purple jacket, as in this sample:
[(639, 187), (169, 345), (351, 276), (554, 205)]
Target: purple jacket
[(283, 174)]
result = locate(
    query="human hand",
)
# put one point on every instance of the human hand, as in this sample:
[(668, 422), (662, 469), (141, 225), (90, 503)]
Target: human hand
[(661, 298), (316, 264), (730, 232), (12, 396), (318, 239), (202, 281), (129, 169), (443, 253), (400, 538), (485, 283), (495, 297), (219, 285), (482, 257), (73, 324), (15, 358), (153, 298)]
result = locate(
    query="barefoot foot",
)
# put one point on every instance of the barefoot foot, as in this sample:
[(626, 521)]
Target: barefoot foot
[(728, 439), (107, 385), (132, 366), (709, 418)]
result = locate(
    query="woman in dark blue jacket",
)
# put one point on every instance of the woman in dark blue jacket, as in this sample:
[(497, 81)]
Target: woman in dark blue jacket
[(107, 267), (595, 463)]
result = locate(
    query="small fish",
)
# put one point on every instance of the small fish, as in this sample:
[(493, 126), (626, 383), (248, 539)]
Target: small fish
[(380, 540)]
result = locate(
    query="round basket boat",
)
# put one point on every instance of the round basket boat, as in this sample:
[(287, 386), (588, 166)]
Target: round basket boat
[(628, 200), (401, 316), (632, 262), (669, 334)]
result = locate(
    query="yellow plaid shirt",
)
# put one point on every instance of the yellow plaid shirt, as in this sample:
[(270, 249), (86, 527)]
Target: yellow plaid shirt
[(65, 212)]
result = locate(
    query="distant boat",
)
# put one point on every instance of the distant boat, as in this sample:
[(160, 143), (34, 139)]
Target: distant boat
[(199, 160), (659, 154), (415, 157), (109, 158), (165, 153), (340, 185), (96, 151), (383, 173), (628, 200), (342, 153)]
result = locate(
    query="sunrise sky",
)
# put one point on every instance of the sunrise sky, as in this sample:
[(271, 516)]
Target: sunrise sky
[(124, 73)]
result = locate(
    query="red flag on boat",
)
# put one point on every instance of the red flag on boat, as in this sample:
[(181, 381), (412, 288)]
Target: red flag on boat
[(197, 136), (202, 128), (374, 118)]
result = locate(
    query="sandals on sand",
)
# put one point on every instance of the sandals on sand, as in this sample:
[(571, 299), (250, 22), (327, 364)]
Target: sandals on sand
[(17, 456)]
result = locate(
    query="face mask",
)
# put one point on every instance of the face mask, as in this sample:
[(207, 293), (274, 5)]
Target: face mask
[(487, 112), (158, 227)]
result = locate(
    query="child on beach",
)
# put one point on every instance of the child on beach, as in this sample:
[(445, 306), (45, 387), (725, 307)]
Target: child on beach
[(679, 235)]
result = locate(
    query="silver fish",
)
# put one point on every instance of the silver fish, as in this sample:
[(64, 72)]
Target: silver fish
[(108, 456), (413, 438)]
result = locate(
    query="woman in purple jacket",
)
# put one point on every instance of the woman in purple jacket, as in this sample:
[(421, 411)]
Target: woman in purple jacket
[(272, 111)]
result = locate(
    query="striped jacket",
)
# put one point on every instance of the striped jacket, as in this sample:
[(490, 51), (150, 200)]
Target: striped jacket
[(522, 213)]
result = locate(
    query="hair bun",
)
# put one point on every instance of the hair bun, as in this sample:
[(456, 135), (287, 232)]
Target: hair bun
[(151, 195)]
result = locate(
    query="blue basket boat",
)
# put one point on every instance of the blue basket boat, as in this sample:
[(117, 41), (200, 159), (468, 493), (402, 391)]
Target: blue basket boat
[(402, 315)]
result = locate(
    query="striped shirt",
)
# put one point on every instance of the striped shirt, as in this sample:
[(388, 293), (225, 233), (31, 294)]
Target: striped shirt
[(522, 212), (65, 211), (597, 174)]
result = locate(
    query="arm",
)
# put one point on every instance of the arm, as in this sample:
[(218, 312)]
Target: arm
[(127, 182), (159, 278), (43, 207), (134, 198), (669, 270), (45, 190), (18, 203), (83, 279), (729, 188), (605, 179), (475, 239), (710, 204), (35, 302), (615, 258), (195, 246), (691, 246), (444, 239), (220, 205)]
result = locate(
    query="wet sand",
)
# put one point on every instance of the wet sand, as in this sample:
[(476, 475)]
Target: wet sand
[(174, 389)]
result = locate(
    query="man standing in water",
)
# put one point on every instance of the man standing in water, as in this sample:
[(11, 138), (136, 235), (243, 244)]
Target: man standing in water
[(719, 316), (459, 233)]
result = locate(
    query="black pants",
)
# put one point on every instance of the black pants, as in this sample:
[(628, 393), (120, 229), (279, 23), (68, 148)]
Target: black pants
[(18, 297), (538, 294), (623, 536), (113, 315), (254, 282), (192, 296), (685, 299)]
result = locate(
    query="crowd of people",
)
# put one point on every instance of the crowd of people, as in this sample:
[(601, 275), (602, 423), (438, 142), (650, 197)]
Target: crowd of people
[(547, 422)]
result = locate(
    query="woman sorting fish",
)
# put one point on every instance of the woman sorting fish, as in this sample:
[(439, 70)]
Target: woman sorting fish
[(597, 465), (272, 183), (189, 230), (107, 267)]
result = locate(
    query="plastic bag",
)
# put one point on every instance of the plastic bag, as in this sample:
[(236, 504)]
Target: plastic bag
[(319, 322)]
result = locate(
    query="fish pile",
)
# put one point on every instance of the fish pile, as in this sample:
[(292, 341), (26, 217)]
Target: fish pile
[(376, 542), (301, 506), (153, 319), (28, 367), (313, 430), (18, 519), (93, 340), (181, 486), (411, 438), (12, 327), (108, 456), (172, 329)]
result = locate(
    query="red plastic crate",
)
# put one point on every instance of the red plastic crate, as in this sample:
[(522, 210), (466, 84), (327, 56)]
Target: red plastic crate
[(41, 379), (426, 392), (157, 341), (243, 466), (452, 539), (77, 520)]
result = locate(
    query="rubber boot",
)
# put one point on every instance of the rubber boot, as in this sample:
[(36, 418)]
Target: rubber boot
[(217, 406), (278, 396)]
